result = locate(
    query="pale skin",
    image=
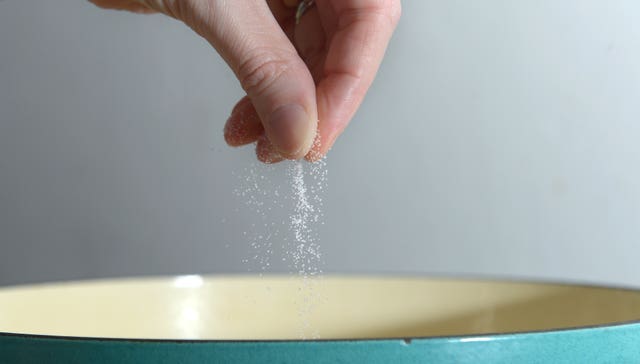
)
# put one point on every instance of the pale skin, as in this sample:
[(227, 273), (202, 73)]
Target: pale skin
[(303, 82)]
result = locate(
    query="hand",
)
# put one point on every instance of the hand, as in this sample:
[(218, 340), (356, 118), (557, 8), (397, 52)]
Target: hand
[(301, 80)]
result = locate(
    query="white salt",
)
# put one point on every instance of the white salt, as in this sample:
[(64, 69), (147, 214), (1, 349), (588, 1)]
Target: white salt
[(291, 215), (304, 251)]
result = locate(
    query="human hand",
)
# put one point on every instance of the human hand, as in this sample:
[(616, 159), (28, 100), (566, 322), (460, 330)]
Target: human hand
[(301, 80)]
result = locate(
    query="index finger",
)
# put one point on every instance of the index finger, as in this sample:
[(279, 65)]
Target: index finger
[(363, 30)]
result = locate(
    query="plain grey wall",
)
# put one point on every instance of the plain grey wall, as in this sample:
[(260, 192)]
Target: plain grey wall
[(501, 137)]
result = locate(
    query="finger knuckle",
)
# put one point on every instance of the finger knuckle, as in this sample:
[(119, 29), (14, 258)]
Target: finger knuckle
[(261, 70)]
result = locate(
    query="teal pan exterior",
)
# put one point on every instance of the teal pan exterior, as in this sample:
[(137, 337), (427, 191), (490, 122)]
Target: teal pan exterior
[(603, 344)]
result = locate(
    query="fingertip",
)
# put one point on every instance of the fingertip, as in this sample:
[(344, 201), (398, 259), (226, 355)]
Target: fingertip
[(243, 126), (230, 132), (266, 152), (238, 132)]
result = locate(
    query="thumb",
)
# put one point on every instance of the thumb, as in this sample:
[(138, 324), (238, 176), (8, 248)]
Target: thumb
[(266, 63)]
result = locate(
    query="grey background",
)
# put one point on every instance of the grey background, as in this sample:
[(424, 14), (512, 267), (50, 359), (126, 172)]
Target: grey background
[(501, 138)]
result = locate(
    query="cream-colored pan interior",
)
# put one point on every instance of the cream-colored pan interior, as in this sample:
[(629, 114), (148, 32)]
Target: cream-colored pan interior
[(195, 307)]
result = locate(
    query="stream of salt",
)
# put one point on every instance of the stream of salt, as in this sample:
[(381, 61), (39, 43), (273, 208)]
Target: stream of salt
[(289, 214)]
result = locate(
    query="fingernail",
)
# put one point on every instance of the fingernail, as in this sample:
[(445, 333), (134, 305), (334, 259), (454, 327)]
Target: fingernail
[(288, 128)]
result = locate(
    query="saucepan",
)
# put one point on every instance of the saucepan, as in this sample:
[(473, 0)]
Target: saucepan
[(330, 319)]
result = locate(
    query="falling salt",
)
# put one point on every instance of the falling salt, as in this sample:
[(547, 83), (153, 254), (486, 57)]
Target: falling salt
[(254, 189), (304, 251), (300, 203)]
